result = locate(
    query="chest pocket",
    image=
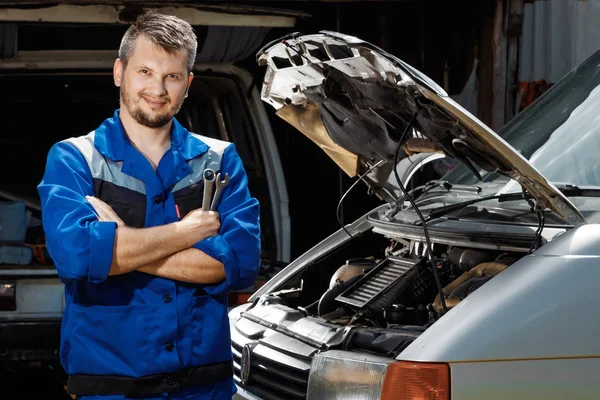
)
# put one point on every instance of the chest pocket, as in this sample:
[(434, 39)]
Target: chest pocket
[(129, 205), (189, 198)]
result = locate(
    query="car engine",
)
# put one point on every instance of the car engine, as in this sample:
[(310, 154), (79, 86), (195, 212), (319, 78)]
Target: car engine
[(400, 289)]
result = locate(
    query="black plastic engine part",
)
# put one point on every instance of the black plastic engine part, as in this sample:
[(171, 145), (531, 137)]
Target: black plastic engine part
[(416, 287), (400, 314), (377, 281), (327, 301), (382, 341)]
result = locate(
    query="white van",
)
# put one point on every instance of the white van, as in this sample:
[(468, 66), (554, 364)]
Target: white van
[(486, 286)]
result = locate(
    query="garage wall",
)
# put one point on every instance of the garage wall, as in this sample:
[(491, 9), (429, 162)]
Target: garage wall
[(557, 35)]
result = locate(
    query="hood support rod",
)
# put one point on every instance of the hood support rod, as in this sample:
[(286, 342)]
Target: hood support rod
[(423, 222)]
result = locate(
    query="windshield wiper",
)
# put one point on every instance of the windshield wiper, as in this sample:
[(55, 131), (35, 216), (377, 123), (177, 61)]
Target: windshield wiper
[(441, 211), (567, 189), (576, 191), (429, 186)]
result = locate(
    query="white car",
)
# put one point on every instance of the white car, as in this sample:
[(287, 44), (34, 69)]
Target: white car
[(485, 286)]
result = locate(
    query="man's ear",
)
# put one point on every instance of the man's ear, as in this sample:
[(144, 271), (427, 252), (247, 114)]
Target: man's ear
[(118, 72), (190, 79)]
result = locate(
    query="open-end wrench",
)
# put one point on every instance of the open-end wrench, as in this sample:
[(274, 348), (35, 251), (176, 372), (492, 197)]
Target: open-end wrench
[(219, 190), (209, 177)]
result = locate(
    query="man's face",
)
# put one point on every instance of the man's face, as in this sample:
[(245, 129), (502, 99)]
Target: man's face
[(154, 83)]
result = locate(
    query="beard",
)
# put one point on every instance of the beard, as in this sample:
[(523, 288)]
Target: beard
[(156, 119)]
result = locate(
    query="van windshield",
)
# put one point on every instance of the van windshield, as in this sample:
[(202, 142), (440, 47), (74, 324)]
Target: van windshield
[(559, 133)]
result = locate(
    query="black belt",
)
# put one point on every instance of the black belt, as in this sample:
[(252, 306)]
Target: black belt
[(85, 385)]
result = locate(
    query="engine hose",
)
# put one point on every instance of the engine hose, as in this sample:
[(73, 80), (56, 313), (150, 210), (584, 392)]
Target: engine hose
[(327, 302)]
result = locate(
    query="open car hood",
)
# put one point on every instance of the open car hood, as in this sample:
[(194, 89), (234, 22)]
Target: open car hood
[(355, 101)]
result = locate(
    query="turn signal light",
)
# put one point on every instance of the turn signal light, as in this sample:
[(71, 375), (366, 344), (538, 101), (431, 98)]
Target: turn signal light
[(416, 381)]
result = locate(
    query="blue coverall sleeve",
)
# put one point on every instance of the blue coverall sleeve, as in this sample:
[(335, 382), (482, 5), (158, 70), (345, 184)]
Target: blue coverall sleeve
[(80, 245), (238, 243)]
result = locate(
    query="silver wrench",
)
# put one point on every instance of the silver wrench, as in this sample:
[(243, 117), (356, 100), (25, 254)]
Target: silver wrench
[(209, 177), (218, 190)]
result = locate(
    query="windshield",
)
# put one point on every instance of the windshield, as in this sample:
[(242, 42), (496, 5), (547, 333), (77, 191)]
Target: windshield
[(559, 133)]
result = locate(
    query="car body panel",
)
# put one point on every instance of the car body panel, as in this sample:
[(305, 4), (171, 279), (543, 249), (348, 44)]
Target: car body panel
[(39, 296), (32, 330), (527, 379), (243, 394), (338, 99), (542, 306)]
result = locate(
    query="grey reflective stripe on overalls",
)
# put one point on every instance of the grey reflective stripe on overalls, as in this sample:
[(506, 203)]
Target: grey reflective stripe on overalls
[(107, 170)]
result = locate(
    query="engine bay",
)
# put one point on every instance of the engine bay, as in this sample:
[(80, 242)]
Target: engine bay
[(400, 289), (388, 300)]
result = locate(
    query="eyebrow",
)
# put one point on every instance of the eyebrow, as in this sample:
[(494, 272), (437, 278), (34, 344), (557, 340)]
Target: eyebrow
[(143, 66)]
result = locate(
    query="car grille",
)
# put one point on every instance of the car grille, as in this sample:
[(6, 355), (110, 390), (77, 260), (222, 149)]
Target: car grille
[(270, 379)]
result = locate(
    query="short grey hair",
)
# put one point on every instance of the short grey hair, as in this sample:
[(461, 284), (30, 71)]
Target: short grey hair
[(169, 32)]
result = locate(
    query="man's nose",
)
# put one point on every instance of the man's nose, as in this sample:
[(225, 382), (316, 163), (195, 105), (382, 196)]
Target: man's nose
[(158, 87)]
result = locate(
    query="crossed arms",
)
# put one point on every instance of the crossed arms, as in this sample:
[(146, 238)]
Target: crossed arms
[(165, 250), (86, 244)]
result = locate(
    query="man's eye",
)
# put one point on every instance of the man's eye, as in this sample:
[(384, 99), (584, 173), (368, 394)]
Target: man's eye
[(144, 71), (173, 76)]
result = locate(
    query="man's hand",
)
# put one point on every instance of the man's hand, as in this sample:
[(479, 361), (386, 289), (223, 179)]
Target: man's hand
[(197, 225), (104, 211), (200, 225), (187, 265)]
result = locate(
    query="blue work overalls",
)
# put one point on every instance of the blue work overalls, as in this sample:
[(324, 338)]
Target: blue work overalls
[(138, 326)]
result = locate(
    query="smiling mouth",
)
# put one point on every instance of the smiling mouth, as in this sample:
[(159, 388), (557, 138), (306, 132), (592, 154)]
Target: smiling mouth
[(154, 103)]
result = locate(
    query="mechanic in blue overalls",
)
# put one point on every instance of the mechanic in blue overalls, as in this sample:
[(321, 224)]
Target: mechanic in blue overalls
[(146, 270)]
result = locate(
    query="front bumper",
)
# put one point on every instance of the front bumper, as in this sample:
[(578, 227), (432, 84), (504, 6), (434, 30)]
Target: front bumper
[(243, 394), (29, 340)]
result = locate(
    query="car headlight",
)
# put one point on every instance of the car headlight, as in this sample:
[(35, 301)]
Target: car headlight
[(343, 375)]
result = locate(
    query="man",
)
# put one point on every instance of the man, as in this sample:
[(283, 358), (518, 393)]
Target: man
[(146, 271)]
